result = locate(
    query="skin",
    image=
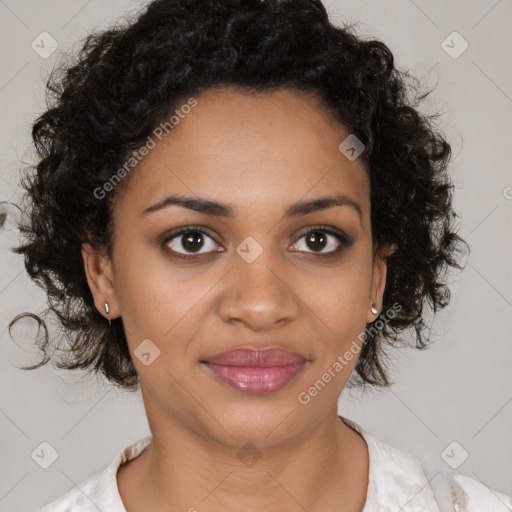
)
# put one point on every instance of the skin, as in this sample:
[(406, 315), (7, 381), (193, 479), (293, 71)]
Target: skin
[(260, 153)]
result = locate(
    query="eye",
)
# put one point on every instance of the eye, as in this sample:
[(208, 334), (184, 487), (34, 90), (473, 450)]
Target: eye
[(321, 237), (189, 241)]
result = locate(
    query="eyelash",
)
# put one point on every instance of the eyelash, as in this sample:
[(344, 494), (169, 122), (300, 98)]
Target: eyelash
[(344, 241)]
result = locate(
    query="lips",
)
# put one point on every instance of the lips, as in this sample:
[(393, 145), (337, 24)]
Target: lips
[(256, 371), (256, 358)]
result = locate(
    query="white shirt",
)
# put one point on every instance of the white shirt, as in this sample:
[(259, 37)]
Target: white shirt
[(398, 482)]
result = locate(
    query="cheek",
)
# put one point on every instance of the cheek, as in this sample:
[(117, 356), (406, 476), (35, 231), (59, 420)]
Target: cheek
[(166, 304), (341, 300), (340, 315), (339, 312)]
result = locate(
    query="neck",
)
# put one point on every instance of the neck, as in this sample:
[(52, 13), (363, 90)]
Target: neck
[(327, 469)]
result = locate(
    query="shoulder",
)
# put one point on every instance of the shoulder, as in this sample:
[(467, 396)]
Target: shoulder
[(82, 497), (399, 480), (474, 495), (98, 493)]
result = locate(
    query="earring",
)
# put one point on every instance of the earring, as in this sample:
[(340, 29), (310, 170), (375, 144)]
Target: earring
[(374, 311), (107, 310)]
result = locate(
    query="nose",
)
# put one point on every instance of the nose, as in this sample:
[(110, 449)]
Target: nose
[(259, 295)]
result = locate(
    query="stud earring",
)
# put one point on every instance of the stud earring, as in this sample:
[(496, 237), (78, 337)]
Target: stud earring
[(107, 310), (374, 311)]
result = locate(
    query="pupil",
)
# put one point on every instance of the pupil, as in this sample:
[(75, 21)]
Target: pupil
[(318, 240), (188, 241)]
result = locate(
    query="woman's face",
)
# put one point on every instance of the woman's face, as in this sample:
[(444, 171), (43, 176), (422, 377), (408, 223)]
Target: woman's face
[(254, 277)]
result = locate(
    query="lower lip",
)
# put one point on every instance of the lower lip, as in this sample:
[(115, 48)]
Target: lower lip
[(256, 381)]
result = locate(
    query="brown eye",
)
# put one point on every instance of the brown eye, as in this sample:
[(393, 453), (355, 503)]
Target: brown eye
[(189, 241), (319, 238), (316, 240), (193, 241)]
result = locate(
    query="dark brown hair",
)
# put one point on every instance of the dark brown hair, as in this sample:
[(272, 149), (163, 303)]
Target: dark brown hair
[(128, 78)]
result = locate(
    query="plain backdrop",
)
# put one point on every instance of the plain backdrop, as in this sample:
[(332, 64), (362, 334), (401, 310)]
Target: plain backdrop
[(452, 402)]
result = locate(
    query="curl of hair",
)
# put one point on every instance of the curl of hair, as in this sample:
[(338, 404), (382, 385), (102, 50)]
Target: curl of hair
[(126, 79)]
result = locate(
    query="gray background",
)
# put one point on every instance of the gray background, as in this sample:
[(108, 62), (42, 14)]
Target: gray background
[(459, 390)]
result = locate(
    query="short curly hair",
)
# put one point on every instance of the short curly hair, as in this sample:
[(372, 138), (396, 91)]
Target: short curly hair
[(128, 78)]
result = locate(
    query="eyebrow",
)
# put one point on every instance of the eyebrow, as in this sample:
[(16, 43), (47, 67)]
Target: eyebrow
[(217, 209)]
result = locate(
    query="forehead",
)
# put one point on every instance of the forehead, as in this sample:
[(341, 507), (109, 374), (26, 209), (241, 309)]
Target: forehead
[(251, 148)]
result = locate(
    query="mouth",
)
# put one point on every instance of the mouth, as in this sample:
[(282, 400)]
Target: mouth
[(256, 371)]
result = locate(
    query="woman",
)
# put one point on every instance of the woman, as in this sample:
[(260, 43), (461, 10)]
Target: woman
[(238, 208)]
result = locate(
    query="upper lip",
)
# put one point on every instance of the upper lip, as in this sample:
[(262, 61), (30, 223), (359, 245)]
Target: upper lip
[(256, 357)]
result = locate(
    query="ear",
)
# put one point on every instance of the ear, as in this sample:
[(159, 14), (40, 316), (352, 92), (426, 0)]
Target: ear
[(98, 271), (378, 281)]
